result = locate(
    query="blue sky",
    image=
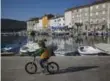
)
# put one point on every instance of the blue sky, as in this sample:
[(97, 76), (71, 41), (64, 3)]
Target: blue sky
[(25, 9)]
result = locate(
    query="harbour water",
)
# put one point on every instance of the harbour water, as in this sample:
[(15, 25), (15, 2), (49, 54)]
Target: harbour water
[(65, 43), (13, 41)]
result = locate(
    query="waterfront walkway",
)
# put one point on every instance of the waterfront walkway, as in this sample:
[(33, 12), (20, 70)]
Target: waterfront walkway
[(72, 68), (103, 46)]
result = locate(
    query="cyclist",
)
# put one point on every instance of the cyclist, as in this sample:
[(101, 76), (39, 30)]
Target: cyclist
[(44, 53)]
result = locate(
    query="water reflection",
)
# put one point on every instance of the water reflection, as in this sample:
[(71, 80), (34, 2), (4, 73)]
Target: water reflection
[(65, 43), (13, 41), (68, 43)]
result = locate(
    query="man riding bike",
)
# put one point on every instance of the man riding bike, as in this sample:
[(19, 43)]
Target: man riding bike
[(44, 53)]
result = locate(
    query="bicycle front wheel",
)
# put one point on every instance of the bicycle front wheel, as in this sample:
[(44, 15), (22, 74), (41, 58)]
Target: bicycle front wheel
[(31, 68), (52, 67)]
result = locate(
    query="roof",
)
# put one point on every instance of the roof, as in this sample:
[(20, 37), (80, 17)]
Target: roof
[(48, 15), (88, 5), (34, 19), (57, 16)]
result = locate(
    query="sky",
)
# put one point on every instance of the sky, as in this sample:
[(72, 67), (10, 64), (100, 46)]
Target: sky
[(26, 9)]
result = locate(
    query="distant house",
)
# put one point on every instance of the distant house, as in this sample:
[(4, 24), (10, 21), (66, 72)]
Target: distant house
[(37, 24)]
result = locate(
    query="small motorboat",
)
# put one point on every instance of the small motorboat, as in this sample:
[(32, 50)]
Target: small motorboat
[(90, 50), (10, 48), (63, 52), (30, 47)]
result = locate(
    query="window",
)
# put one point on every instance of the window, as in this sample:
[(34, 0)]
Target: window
[(85, 14), (97, 6), (91, 7), (103, 5), (77, 15), (59, 19), (103, 12), (80, 10), (73, 17), (91, 14), (103, 18), (97, 13)]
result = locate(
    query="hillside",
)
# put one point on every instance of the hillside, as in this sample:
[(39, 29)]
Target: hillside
[(9, 25)]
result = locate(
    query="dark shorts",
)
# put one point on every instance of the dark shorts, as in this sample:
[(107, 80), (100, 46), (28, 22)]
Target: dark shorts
[(42, 61)]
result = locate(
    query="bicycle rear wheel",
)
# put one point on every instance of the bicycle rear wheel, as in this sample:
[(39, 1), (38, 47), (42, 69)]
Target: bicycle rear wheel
[(31, 68), (52, 67)]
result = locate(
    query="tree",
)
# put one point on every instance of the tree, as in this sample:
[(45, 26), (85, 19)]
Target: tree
[(32, 33)]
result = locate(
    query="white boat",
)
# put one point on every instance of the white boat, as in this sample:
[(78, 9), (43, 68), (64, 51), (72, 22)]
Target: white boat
[(62, 52), (10, 47), (29, 48), (89, 50)]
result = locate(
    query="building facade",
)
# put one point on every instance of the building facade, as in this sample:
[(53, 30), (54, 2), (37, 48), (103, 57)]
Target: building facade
[(100, 16), (68, 18), (92, 17), (80, 18), (45, 20), (87, 18), (57, 22), (34, 24)]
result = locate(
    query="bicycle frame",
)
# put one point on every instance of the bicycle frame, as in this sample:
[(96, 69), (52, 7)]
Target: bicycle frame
[(36, 61)]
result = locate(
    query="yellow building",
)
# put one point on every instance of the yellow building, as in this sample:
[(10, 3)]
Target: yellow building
[(45, 20)]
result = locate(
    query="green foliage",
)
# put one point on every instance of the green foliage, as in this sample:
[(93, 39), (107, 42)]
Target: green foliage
[(32, 33)]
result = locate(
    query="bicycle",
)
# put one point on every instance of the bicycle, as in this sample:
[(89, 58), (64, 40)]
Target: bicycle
[(31, 67)]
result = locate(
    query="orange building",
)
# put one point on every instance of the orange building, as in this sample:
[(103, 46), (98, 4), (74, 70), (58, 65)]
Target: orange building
[(45, 20)]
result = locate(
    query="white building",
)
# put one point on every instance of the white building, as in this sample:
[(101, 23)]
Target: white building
[(39, 25), (91, 17), (30, 25), (100, 16), (80, 18), (34, 24), (68, 18), (57, 22)]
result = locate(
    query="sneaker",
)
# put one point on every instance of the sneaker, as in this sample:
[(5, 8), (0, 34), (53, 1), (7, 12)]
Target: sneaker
[(43, 71)]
